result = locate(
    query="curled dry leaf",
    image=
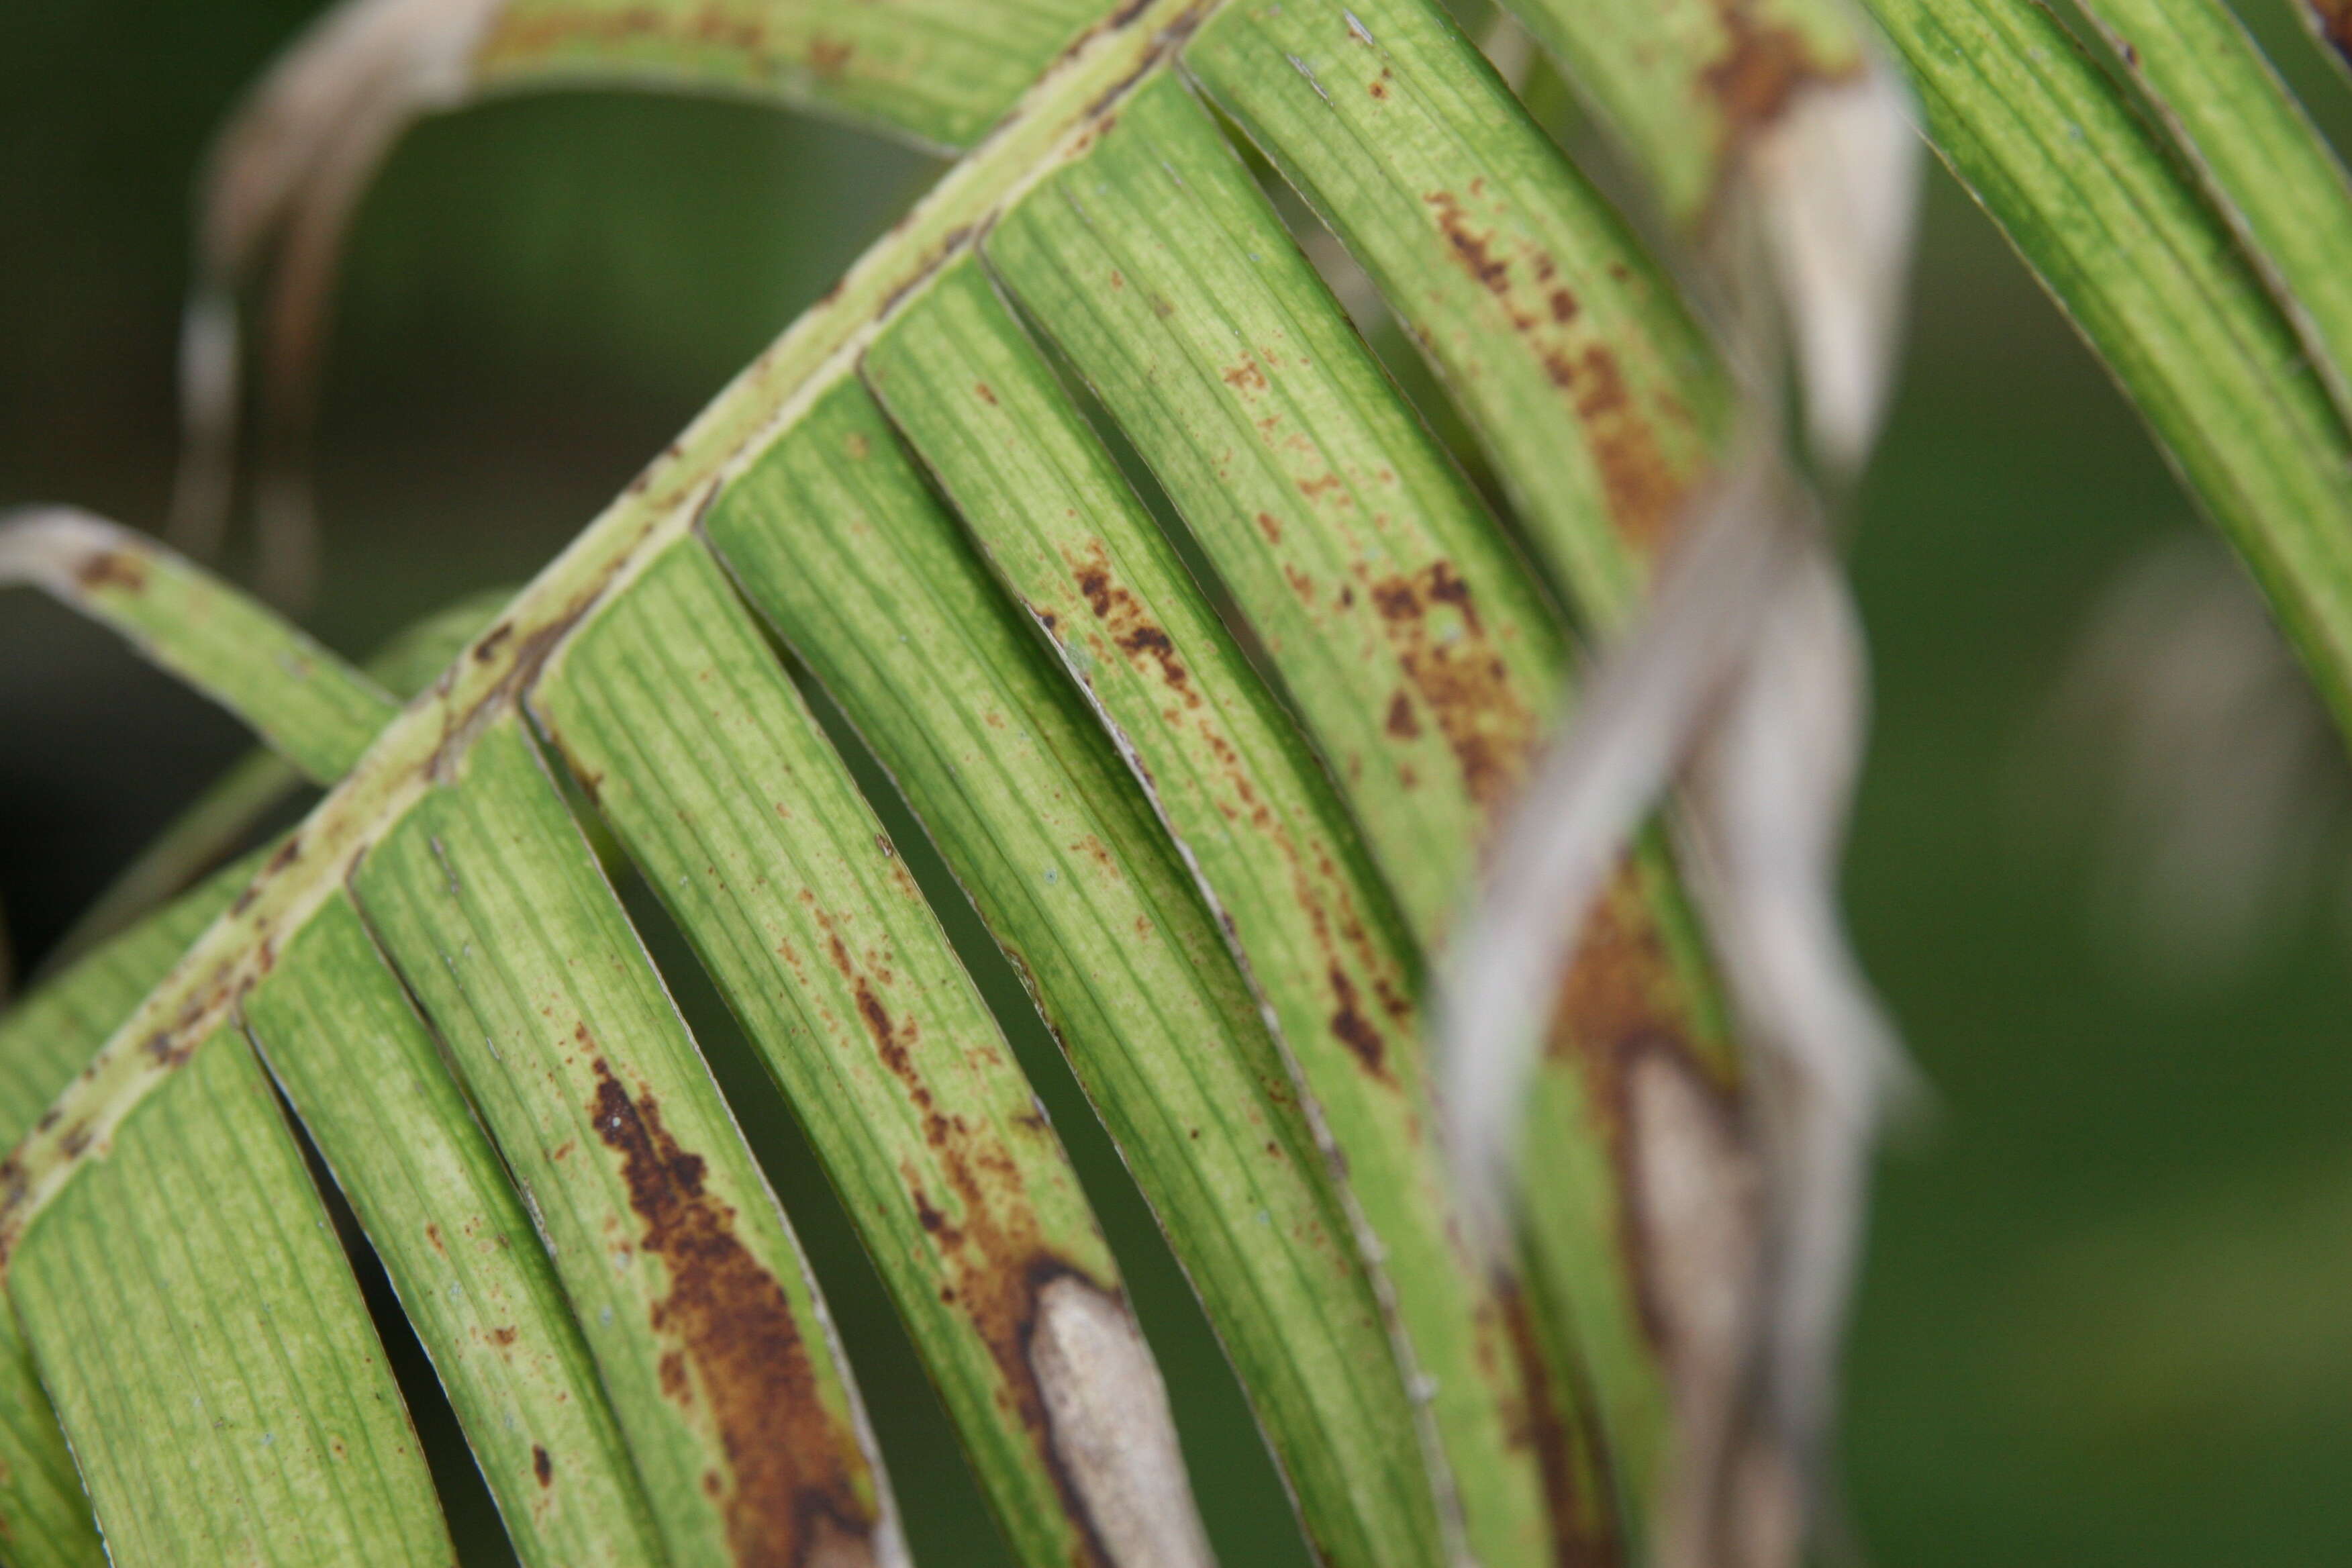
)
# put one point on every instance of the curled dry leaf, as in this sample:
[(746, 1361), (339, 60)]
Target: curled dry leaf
[(1592, 790), (1771, 790), (281, 188), (57, 549), (1837, 179), (1750, 667)]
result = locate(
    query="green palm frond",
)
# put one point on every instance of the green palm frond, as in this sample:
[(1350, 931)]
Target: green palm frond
[(1220, 749)]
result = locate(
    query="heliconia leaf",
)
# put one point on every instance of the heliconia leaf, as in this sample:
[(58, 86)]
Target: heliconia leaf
[(370, 1085), (1258, 824), (308, 705), (1565, 343), (708, 1332), (191, 1314), (836, 538), (2263, 163), (668, 704), (2152, 278)]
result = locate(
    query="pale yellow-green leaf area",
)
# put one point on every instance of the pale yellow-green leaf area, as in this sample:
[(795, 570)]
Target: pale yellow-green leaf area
[(188, 1299), (935, 71)]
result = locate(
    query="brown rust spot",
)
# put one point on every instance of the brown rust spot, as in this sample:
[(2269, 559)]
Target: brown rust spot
[(1353, 1029), (794, 1493), (994, 1263), (580, 29), (828, 58), (541, 1466), (1459, 677), (984, 392), (1626, 1001), (284, 855), (1539, 1423), (503, 1336), (112, 569), (1129, 622), (1245, 377), (1270, 526), (1761, 68), (1400, 721), (1641, 487), (1645, 491), (1472, 251)]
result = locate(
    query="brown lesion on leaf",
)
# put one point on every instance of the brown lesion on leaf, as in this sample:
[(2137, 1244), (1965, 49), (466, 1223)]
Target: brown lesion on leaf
[(1401, 721), (1129, 621), (1626, 1019), (1350, 1025), (829, 56), (1474, 252), (560, 30), (1644, 489), (1245, 375), (541, 1466), (498, 637), (1640, 486), (992, 1259), (1543, 1421), (1762, 67), (797, 1494), (113, 569), (1432, 623), (1689, 1195)]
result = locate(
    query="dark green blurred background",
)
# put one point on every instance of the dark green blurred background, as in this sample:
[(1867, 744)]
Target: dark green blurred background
[(2107, 1313)]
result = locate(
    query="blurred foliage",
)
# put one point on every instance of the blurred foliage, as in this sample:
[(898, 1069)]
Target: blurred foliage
[(2103, 1317)]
